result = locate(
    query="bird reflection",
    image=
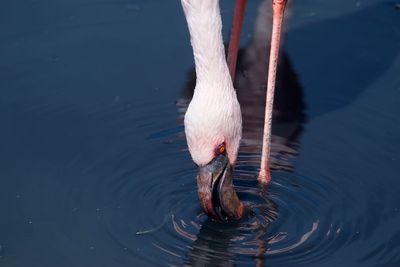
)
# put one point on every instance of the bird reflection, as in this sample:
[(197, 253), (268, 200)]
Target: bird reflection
[(250, 83), (213, 245)]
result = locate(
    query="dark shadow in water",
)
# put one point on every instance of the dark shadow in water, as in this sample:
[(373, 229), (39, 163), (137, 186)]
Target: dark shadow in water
[(289, 108), (214, 242)]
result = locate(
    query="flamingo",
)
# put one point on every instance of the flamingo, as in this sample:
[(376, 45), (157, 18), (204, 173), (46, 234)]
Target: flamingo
[(213, 120)]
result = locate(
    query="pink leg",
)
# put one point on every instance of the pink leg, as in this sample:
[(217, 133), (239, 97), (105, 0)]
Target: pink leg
[(235, 35), (278, 8)]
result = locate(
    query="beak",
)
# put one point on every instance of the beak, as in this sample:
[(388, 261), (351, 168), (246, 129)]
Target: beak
[(215, 190)]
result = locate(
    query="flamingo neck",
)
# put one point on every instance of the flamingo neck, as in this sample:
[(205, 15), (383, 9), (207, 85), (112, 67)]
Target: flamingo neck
[(205, 26)]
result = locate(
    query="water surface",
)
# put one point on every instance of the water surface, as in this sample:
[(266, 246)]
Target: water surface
[(94, 169)]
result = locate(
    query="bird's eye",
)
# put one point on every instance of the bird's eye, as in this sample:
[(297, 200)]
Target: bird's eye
[(220, 149)]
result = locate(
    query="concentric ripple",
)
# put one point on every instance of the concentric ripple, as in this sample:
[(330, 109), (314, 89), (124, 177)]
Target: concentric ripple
[(156, 218)]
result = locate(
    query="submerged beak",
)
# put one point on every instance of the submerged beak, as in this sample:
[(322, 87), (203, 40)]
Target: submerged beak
[(215, 189)]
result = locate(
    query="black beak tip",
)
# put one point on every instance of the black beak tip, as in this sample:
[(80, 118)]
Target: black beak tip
[(216, 194)]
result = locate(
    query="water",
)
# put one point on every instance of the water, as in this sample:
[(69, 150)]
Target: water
[(94, 169)]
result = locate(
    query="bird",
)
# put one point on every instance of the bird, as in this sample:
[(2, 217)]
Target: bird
[(213, 120)]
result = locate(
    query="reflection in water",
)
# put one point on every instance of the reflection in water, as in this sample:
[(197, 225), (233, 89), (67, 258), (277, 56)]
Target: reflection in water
[(250, 84), (218, 244)]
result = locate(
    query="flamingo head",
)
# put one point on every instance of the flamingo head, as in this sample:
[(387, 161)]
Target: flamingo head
[(213, 127)]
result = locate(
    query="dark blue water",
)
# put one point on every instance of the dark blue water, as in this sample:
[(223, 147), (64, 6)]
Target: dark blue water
[(94, 169)]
